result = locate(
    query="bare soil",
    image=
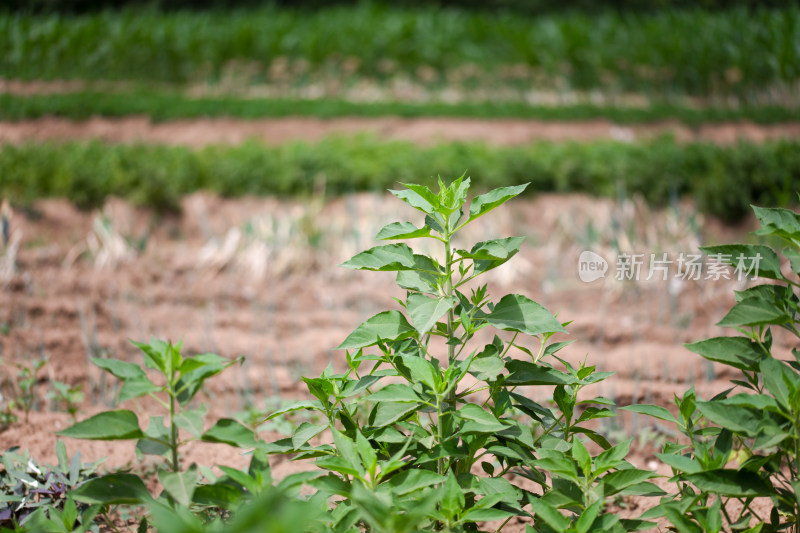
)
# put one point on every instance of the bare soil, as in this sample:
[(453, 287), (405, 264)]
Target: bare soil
[(426, 131)]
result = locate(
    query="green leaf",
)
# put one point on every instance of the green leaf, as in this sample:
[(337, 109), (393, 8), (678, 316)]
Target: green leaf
[(387, 413), (781, 381), (120, 369), (231, 432), (108, 425), (453, 500), (412, 480), (733, 483), (587, 517), (582, 457), (737, 419), (419, 197), (487, 367), (135, 387), (478, 514), (478, 420), (493, 250), (386, 326), (612, 457), (298, 406), (761, 260), (738, 352), (368, 456), (113, 489), (778, 221), (486, 202), (794, 258), (549, 515), (154, 354), (753, 312), (515, 312), (195, 371), (421, 370), (680, 463), (527, 373), (179, 485), (155, 439), (621, 479), (425, 312), (388, 257), (394, 392), (402, 230), (415, 280), (656, 411), (192, 420), (305, 432)]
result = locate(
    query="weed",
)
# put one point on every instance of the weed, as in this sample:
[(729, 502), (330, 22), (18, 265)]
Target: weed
[(405, 453), (743, 442)]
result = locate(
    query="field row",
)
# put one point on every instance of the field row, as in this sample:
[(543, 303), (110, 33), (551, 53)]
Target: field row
[(162, 106), (751, 54), (723, 181)]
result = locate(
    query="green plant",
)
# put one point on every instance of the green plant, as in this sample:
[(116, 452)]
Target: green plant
[(31, 493), (744, 443), (25, 386), (66, 397), (182, 377), (431, 449)]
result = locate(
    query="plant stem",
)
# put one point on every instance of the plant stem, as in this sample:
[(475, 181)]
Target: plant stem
[(173, 441)]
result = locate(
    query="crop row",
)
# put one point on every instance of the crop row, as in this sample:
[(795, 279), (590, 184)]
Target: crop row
[(160, 106), (723, 180), (744, 52)]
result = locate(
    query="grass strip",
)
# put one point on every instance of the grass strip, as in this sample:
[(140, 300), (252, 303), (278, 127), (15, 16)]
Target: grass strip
[(723, 180), (172, 106)]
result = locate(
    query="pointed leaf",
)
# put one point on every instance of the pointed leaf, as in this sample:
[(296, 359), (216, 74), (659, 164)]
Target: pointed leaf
[(394, 392), (231, 432), (402, 230), (113, 489), (388, 257), (120, 369), (753, 259), (754, 312), (425, 312), (733, 483), (515, 312), (656, 411), (386, 326), (494, 250), (418, 197), (180, 485), (305, 432), (738, 352), (108, 425), (486, 202)]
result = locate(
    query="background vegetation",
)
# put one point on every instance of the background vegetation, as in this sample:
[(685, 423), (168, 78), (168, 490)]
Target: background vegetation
[(748, 53), (723, 180)]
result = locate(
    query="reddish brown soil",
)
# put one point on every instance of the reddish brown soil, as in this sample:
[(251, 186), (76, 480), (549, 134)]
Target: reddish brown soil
[(69, 298), (201, 132)]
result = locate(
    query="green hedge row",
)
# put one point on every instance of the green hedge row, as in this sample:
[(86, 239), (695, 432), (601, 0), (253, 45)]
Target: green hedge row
[(740, 51), (722, 180), (171, 106)]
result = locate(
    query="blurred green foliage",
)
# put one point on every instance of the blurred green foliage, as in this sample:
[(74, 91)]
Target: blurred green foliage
[(723, 180), (162, 106), (743, 52)]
